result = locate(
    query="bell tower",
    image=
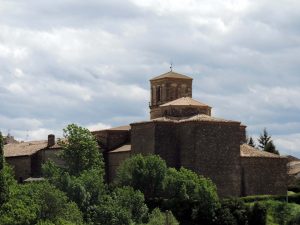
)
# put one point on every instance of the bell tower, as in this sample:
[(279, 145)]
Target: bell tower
[(168, 87)]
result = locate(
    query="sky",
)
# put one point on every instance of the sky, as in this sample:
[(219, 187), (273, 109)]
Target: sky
[(89, 62)]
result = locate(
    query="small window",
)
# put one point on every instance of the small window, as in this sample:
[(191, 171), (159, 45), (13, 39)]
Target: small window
[(158, 92)]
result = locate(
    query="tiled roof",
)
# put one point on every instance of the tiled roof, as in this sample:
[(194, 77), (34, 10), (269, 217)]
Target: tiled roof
[(199, 117), (248, 151), (184, 101), (172, 74), (120, 128), (293, 167), (24, 148), (126, 127), (203, 117), (123, 148)]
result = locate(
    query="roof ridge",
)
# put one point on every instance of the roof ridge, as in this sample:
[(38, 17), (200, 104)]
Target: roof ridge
[(171, 74), (185, 101)]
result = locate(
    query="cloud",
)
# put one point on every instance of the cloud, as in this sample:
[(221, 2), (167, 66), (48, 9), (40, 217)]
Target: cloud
[(89, 62)]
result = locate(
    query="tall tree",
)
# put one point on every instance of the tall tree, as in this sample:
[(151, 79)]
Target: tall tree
[(263, 139), (251, 142), (270, 147), (80, 150), (4, 191)]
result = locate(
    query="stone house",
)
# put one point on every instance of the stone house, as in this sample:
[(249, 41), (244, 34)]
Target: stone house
[(27, 158), (182, 131)]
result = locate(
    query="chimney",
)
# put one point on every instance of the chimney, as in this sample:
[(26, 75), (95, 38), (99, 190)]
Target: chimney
[(51, 140)]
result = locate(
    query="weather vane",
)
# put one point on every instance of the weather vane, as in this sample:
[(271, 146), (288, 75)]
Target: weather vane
[(171, 66)]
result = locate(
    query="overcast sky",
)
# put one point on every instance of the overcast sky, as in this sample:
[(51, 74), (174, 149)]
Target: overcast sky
[(89, 62)]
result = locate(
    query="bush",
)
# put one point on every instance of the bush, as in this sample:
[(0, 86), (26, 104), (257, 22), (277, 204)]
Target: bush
[(146, 174), (258, 214), (159, 218)]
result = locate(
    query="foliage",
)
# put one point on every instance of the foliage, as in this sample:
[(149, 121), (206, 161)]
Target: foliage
[(270, 147), (182, 185), (80, 150), (159, 218), (295, 220), (263, 139), (258, 214), (251, 142), (237, 209), (36, 202), (122, 206), (4, 188), (143, 173), (82, 179), (266, 143)]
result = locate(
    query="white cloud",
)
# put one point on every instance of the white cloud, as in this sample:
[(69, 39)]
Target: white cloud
[(90, 62), (97, 126)]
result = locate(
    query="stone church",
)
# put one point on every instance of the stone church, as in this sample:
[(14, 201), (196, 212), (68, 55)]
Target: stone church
[(185, 134), (182, 131)]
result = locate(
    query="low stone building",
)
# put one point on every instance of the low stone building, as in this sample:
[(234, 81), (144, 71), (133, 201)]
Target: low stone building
[(26, 158), (182, 131)]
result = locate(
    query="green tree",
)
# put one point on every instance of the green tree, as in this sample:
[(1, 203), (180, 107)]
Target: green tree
[(251, 142), (270, 147), (122, 206), (185, 187), (80, 150), (37, 202), (263, 139), (159, 218), (4, 188), (144, 173)]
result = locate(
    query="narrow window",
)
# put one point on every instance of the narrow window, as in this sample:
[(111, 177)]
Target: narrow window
[(158, 90)]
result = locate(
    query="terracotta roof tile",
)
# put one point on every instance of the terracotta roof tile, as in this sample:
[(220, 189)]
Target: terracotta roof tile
[(199, 117), (123, 148), (24, 148), (172, 74), (248, 151), (185, 101), (293, 167)]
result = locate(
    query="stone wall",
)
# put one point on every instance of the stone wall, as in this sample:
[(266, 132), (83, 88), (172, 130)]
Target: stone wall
[(264, 176), (111, 139), (212, 150), (21, 166), (179, 111), (169, 89), (143, 138), (208, 148), (167, 144), (114, 161)]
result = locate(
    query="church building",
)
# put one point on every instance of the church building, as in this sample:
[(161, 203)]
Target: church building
[(182, 131)]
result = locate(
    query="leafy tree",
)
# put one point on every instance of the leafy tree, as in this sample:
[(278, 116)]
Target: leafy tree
[(191, 196), (251, 142), (4, 189), (80, 150), (37, 202), (144, 173), (238, 210), (82, 179), (159, 218), (122, 206), (263, 139), (270, 147)]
